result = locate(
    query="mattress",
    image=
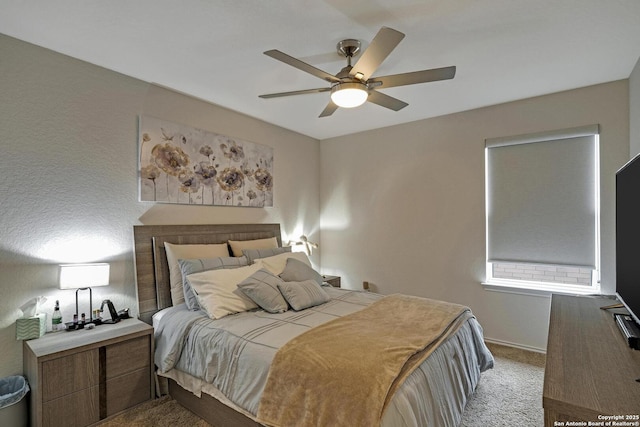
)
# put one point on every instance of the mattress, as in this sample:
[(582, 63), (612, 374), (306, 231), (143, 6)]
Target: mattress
[(229, 358)]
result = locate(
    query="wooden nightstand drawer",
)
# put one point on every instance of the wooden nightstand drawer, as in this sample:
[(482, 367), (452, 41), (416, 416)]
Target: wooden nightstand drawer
[(66, 375), (127, 390), (74, 410), (127, 356)]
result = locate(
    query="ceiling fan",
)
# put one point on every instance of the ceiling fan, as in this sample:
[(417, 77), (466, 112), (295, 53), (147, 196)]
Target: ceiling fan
[(353, 85)]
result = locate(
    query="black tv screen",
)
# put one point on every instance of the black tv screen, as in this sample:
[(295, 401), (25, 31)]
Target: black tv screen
[(628, 236)]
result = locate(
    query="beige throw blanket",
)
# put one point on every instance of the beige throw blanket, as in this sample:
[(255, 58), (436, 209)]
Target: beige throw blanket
[(344, 372)]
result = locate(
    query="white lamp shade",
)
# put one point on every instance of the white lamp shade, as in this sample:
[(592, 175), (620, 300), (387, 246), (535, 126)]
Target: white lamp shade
[(77, 276), (349, 95)]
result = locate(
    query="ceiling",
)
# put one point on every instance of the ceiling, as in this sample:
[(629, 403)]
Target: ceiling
[(504, 50)]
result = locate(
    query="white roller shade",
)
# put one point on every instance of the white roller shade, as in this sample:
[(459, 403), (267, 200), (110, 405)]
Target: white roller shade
[(542, 196)]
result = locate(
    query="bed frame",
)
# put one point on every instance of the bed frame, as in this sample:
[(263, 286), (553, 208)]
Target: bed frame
[(154, 293)]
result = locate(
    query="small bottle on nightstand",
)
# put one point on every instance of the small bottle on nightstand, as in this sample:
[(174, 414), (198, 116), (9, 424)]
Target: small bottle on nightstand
[(56, 319)]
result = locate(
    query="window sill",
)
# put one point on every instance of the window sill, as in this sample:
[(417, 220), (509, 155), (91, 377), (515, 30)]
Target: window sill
[(538, 288)]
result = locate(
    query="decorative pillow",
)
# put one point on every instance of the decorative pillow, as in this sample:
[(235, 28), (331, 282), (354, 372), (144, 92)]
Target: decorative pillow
[(254, 254), (262, 288), (301, 295), (217, 290), (190, 266), (176, 252), (238, 245), (276, 263), (297, 271)]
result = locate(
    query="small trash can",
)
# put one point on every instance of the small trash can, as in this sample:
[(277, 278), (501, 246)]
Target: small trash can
[(13, 405)]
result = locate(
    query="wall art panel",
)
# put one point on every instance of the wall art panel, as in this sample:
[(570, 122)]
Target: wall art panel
[(182, 164)]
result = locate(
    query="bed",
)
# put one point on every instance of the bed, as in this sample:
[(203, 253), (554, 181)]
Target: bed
[(433, 392)]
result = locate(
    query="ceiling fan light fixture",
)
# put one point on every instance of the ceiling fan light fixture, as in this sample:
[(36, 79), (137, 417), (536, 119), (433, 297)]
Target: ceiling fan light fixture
[(349, 95)]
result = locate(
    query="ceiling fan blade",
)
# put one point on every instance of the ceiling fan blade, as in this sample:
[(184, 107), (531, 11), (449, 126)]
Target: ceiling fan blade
[(381, 46), (329, 109), (295, 92), (415, 77), (290, 60), (386, 100)]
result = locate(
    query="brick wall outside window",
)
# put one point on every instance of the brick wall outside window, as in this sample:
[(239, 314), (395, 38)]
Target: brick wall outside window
[(543, 273)]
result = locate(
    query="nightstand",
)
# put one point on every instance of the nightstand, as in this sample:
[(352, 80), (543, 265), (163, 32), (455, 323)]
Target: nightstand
[(80, 377), (332, 280)]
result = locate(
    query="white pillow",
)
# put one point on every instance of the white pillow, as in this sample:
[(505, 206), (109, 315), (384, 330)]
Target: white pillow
[(238, 245), (178, 252), (277, 263), (218, 293)]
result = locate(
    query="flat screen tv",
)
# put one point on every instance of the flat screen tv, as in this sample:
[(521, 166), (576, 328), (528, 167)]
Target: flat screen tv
[(628, 236)]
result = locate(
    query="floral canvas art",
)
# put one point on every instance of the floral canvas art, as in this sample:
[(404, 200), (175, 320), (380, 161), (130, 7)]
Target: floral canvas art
[(181, 164)]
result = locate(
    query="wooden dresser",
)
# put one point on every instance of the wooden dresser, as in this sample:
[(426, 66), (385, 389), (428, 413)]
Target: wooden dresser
[(590, 371), (81, 377)]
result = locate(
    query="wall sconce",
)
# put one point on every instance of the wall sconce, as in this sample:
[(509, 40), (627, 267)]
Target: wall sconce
[(307, 246), (82, 277)]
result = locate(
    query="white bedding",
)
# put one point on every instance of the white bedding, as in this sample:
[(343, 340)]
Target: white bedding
[(229, 358)]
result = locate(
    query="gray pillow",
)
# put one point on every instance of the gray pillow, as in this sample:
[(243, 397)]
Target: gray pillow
[(254, 254), (262, 288), (301, 295), (189, 266), (297, 271)]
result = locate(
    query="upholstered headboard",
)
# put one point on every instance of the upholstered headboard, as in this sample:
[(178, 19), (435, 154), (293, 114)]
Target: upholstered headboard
[(152, 270)]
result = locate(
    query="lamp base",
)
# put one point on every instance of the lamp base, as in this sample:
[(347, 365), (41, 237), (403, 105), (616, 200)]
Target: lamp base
[(70, 326)]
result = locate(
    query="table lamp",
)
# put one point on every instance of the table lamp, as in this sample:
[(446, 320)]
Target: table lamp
[(82, 277)]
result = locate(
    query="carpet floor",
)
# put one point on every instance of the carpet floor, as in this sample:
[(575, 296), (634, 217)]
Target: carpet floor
[(510, 394)]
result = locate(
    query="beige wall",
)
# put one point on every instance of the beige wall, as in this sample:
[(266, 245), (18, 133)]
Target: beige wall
[(68, 187), (403, 207), (634, 110)]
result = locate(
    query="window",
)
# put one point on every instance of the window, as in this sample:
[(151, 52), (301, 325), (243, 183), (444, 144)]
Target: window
[(542, 211)]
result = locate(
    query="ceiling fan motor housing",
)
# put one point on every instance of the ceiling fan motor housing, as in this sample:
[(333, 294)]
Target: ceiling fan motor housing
[(348, 47)]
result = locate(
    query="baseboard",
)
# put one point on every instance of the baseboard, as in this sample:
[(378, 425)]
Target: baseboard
[(511, 344)]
